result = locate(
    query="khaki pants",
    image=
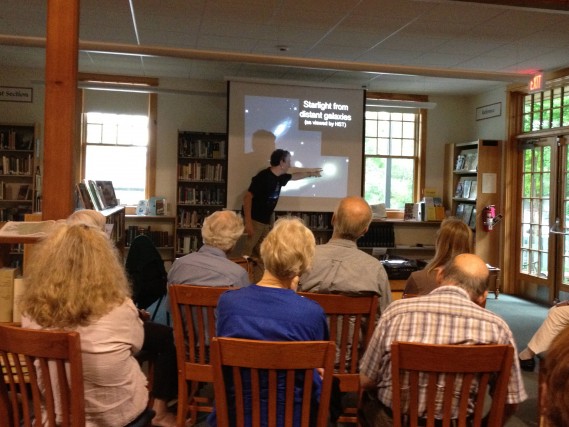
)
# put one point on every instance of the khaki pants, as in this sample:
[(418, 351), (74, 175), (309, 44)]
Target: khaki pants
[(250, 246)]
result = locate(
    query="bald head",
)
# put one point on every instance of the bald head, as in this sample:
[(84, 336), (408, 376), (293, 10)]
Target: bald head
[(469, 272), (351, 218)]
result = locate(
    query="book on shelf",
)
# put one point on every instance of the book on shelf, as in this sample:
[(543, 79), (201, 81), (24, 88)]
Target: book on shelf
[(466, 188), (459, 213), (107, 192), (472, 221), (459, 189), (470, 160), (468, 209), (459, 162), (84, 195), (473, 190), (93, 194)]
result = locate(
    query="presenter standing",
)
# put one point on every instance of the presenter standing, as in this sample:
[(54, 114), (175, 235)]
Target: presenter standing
[(261, 199)]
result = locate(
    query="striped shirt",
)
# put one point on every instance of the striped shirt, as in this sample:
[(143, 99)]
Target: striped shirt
[(445, 316)]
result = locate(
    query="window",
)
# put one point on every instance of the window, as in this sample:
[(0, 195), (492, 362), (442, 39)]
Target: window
[(116, 150), (546, 110), (391, 155)]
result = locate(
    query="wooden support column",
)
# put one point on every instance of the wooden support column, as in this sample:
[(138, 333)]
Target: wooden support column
[(62, 45)]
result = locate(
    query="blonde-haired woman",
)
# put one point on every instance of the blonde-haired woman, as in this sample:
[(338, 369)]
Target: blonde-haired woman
[(76, 282), (271, 310), (454, 237)]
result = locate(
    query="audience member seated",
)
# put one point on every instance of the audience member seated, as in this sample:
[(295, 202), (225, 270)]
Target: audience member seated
[(158, 339), (557, 319), (271, 310), (339, 266), (451, 314), (556, 381), (209, 266), (454, 237), (76, 282)]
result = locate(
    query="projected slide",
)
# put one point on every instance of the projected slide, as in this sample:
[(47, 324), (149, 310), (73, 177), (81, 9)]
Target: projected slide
[(321, 127), (272, 123)]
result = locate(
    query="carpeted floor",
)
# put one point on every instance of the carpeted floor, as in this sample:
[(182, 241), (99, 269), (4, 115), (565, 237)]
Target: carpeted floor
[(524, 318)]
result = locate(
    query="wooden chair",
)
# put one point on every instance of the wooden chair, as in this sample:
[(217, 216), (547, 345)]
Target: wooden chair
[(248, 264), (58, 367), (193, 316), (350, 319), (414, 363), (264, 363)]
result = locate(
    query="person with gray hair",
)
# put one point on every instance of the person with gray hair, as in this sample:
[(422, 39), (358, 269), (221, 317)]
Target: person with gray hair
[(209, 266), (339, 266), (453, 313)]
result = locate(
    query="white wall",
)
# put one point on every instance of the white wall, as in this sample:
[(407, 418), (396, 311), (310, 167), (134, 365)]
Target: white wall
[(202, 106)]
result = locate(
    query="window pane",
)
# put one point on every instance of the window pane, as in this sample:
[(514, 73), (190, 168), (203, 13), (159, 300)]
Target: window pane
[(124, 166), (401, 184), (375, 182)]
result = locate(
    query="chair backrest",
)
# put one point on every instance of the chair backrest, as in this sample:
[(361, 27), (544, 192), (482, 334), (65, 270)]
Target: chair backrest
[(454, 382), (270, 374), (146, 271), (247, 263), (42, 374), (350, 319)]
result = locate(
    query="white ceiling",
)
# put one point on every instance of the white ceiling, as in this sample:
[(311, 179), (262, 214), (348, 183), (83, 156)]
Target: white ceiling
[(423, 38)]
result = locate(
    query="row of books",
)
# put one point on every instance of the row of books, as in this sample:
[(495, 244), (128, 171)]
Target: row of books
[(197, 171), (467, 160), (16, 165), (192, 219), (11, 287), (467, 213), (378, 236), (201, 196), (159, 238), (98, 195), (14, 140), (314, 220), (15, 213), (15, 191), (203, 149), (466, 188)]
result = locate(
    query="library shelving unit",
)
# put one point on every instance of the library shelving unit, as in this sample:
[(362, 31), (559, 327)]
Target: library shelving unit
[(472, 171), (160, 229), (202, 185), (17, 171)]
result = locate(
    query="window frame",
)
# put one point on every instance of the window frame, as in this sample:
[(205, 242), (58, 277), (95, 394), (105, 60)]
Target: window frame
[(152, 148), (420, 142)]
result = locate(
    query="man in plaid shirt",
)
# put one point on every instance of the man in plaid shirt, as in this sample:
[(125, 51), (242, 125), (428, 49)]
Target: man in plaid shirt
[(453, 313)]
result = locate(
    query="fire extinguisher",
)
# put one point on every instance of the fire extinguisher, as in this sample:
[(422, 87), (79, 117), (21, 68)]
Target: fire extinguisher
[(489, 217)]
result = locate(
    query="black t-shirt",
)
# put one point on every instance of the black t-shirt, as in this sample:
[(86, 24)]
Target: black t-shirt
[(266, 189)]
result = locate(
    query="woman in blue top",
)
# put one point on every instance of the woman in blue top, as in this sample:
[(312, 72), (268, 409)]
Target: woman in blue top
[(271, 310)]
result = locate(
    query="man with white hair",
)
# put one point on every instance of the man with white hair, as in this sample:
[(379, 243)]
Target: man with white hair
[(209, 266)]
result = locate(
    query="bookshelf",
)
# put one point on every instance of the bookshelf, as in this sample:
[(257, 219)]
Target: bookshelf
[(473, 181), (160, 229), (201, 185), (18, 190), (320, 223)]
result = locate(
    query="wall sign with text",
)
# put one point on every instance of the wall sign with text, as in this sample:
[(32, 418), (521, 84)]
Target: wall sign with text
[(16, 94), (487, 111)]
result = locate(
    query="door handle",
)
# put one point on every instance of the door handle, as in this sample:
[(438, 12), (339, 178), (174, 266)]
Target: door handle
[(556, 229)]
